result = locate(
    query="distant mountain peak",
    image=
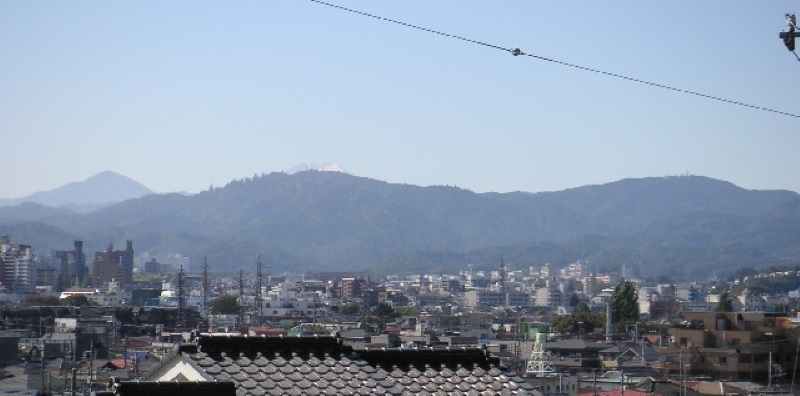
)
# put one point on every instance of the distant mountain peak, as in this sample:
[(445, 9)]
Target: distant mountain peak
[(317, 166), (97, 191)]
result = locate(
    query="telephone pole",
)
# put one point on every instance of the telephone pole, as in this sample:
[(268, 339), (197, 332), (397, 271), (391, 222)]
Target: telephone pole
[(205, 282), (180, 321), (241, 297), (258, 288), (790, 34)]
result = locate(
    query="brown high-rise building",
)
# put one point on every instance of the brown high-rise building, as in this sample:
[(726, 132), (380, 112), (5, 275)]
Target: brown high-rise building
[(113, 264)]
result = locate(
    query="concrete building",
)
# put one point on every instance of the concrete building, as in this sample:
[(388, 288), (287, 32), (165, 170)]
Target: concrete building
[(304, 298), (480, 299), (73, 265), (733, 345), (351, 288), (548, 297), (16, 266), (113, 265)]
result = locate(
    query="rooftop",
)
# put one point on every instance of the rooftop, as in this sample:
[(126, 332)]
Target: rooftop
[(323, 365)]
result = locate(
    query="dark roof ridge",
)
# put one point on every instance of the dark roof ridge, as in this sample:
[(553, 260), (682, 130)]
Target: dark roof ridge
[(271, 344), (464, 356), (174, 388)]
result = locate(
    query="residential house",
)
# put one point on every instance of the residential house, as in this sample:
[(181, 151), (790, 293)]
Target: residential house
[(323, 365), (729, 345), (575, 355)]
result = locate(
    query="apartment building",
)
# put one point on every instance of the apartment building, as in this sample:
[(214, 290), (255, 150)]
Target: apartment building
[(730, 345)]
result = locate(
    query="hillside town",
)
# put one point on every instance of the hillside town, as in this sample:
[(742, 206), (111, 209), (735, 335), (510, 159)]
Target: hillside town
[(76, 321)]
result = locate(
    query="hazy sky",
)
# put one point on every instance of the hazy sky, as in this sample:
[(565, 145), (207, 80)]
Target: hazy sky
[(180, 95)]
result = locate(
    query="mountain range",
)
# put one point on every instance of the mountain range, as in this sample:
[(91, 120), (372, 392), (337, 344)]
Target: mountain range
[(103, 189), (681, 227)]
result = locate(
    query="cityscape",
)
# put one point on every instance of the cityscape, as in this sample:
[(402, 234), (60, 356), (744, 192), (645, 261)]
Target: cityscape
[(341, 197), (75, 321)]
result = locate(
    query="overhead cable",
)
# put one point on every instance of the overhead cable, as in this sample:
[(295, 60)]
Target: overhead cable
[(518, 52)]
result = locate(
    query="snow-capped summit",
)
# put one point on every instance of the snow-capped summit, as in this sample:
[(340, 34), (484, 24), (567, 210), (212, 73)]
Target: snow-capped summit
[(317, 166)]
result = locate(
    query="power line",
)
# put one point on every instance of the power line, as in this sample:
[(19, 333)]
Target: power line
[(518, 52)]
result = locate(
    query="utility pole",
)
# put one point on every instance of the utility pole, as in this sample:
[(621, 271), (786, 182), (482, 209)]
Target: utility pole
[(769, 373), (790, 34), (241, 296), (794, 371), (181, 319), (608, 322), (680, 369), (258, 288), (91, 363), (205, 282)]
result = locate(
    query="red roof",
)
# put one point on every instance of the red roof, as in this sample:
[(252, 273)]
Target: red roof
[(266, 331)]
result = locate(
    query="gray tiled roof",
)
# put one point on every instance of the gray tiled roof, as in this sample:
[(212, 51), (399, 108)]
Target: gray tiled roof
[(323, 366)]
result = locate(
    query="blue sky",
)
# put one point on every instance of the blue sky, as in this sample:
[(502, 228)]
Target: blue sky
[(180, 95)]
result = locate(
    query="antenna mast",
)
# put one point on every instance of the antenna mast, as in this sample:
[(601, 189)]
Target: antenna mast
[(539, 364)]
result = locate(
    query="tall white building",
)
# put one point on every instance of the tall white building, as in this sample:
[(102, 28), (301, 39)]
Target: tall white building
[(292, 299), (575, 270), (16, 266)]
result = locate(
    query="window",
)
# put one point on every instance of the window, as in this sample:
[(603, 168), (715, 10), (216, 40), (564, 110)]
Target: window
[(722, 360)]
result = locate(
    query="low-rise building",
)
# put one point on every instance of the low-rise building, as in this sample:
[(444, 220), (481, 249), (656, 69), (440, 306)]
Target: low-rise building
[(732, 345)]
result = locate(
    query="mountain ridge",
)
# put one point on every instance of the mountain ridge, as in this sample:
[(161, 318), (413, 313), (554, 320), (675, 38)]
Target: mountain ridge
[(103, 189), (315, 220)]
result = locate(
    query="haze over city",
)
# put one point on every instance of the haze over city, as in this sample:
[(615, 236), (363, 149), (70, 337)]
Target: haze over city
[(183, 95)]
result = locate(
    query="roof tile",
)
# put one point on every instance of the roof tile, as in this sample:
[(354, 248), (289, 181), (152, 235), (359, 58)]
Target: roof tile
[(322, 365)]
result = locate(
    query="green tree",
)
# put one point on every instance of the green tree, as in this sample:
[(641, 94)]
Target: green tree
[(77, 300), (725, 304), (581, 308), (224, 304), (574, 300), (41, 299), (384, 310), (625, 303), (380, 315), (349, 309), (405, 311), (583, 322)]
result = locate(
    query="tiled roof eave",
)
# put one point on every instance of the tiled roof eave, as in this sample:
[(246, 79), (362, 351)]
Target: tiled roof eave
[(178, 356)]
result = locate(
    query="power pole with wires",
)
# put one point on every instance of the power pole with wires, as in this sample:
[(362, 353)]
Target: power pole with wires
[(205, 283), (258, 288), (790, 34), (241, 296), (181, 319)]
